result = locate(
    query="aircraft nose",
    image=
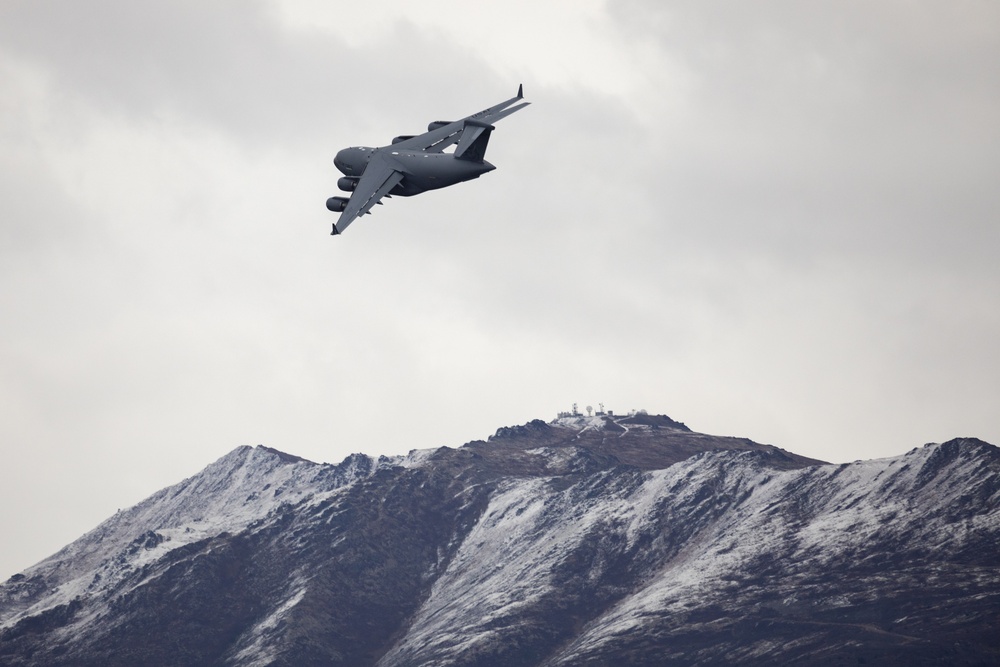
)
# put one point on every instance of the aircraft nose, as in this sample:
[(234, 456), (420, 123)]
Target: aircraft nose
[(338, 161)]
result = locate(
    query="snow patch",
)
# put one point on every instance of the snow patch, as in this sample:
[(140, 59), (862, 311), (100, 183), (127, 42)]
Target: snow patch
[(259, 643), (580, 423)]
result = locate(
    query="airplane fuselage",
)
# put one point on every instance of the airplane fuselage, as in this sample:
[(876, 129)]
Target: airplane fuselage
[(422, 170)]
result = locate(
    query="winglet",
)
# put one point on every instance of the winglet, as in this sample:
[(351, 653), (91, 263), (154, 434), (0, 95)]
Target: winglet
[(520, 91)]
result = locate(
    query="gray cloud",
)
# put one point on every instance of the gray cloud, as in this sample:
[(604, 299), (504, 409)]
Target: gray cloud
[(778, 222)]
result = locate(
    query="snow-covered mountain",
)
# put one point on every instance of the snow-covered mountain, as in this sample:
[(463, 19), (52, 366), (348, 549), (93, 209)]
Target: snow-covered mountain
[(584, 541)]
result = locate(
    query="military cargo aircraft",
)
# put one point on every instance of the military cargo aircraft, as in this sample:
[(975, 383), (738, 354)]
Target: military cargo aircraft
[(415, 164)]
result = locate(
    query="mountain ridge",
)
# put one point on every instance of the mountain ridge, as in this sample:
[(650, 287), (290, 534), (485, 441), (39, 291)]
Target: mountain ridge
[(584, 540)]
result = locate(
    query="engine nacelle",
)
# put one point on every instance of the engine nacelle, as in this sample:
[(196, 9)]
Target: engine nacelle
[(347, 184), (438, 124), (402, 137), (337, 204)]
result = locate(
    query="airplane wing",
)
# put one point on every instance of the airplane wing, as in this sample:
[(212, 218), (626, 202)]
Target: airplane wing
[(378, 178), (447, 135)]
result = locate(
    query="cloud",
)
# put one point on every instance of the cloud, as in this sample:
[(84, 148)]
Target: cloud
[(837, 130), (770, 220)]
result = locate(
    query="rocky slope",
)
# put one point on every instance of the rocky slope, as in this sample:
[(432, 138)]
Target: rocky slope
[(585, 541)]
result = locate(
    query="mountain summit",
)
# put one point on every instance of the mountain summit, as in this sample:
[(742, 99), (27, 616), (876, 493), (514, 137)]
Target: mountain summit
[(583, 541)]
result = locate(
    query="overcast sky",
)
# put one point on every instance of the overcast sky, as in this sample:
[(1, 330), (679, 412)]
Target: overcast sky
[(776, 220)]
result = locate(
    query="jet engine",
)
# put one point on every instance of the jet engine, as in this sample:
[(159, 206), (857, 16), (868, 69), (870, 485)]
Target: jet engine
[(336, 204), (347, 184), (438, 124), (402, 137)]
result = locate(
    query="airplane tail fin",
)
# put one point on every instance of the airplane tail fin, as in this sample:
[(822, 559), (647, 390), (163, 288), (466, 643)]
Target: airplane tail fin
[(472, 144)]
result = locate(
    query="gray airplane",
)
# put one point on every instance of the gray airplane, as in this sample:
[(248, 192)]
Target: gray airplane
[(415, 164)]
